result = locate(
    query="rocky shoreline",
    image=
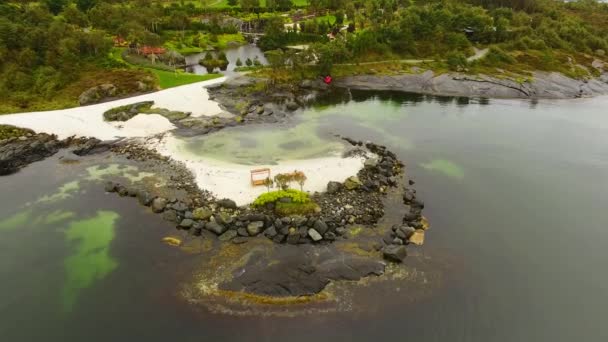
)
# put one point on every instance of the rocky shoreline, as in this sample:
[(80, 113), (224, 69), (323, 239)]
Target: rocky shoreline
[(19, 151), (356, 201), (541, 85)]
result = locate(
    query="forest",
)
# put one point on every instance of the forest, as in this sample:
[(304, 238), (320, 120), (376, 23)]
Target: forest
[(52, 50)]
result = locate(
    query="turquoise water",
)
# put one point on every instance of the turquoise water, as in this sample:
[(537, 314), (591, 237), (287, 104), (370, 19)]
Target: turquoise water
[(515, 192)]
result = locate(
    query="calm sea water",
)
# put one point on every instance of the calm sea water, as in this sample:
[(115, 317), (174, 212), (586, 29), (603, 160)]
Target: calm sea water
[(515, 191)]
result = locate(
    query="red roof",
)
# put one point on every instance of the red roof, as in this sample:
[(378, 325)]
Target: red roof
[(148, 50)]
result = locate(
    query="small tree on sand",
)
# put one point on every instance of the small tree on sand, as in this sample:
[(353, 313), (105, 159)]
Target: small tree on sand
[(282, 180), (268, 183), (300, 178)]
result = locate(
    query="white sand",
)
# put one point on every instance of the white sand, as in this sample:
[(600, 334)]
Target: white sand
[(88, 121), (229, 180), (225, 180), (144, 125)]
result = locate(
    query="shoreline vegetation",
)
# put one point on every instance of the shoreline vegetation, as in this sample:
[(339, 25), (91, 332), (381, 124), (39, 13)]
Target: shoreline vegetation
[(516, 41)]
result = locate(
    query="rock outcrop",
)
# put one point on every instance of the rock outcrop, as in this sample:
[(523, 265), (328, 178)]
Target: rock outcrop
[(540, 85)]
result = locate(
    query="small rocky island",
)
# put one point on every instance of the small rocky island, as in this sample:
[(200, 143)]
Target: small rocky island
[(342, 233)]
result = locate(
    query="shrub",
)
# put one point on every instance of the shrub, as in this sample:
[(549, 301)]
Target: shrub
[(497, 56), (456, 61), (273, 196), (289, 209)]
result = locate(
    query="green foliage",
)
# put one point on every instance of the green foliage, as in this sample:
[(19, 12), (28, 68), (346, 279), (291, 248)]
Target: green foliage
[(296, 196), (456, 61), (497, 56), (289, 209)]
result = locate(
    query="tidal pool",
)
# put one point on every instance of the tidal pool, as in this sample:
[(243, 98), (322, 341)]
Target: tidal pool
[(515, 192)]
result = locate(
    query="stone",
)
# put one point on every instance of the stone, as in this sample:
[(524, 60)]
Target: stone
[(333, 187), (330, 236), (252, 217), (202, 213), (227, 203), (180, 206), (240, 240), (394, 253), (223, 219), (299, 220), (228, 235), (417, 238), (96, 94), (159, 204), (341, 231), (215, 227), (405, 232), (371, 162), (293, 237), (186, 223), (270, 232), (254, 228), (170, 215), (352, 183), (321, 227), (188, 215), (314, 235), (122, 191), (110, 187), (242, 232), (144, 198), (397, 241)]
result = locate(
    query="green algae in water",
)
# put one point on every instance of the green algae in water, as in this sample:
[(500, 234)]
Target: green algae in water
[(64, 192), (58, 216), (96, 173), (18, 220), (91, 259), (445, 167), (25, 219)]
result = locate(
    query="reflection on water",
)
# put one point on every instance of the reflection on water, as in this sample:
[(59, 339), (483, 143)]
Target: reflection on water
[(233, 54)]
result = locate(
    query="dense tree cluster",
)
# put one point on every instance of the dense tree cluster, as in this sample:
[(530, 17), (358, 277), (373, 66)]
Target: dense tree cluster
[(39, 52)]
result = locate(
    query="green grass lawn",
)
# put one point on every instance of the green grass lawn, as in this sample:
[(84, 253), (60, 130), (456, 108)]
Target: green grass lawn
[(167, 79)]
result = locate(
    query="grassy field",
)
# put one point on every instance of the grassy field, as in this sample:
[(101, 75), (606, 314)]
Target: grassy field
[(167, 79)]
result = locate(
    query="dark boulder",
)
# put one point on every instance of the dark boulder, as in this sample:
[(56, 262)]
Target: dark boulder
[(159, 204), (394, 253), (333, 187), (228, 235), (110, 187), (144, 198), (186, 223), (227, 203), (254, 228), (321, 227), (215, 227), (170, 215)]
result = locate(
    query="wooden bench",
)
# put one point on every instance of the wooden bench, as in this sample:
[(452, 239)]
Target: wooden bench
[(259, 176)]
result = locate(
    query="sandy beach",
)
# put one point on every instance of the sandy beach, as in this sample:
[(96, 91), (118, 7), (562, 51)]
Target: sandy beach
[(225, 180), (88, 120), (229, 180)]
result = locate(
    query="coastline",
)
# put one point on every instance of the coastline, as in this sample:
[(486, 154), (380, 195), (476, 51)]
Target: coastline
[(88, 121), (542, 85)]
